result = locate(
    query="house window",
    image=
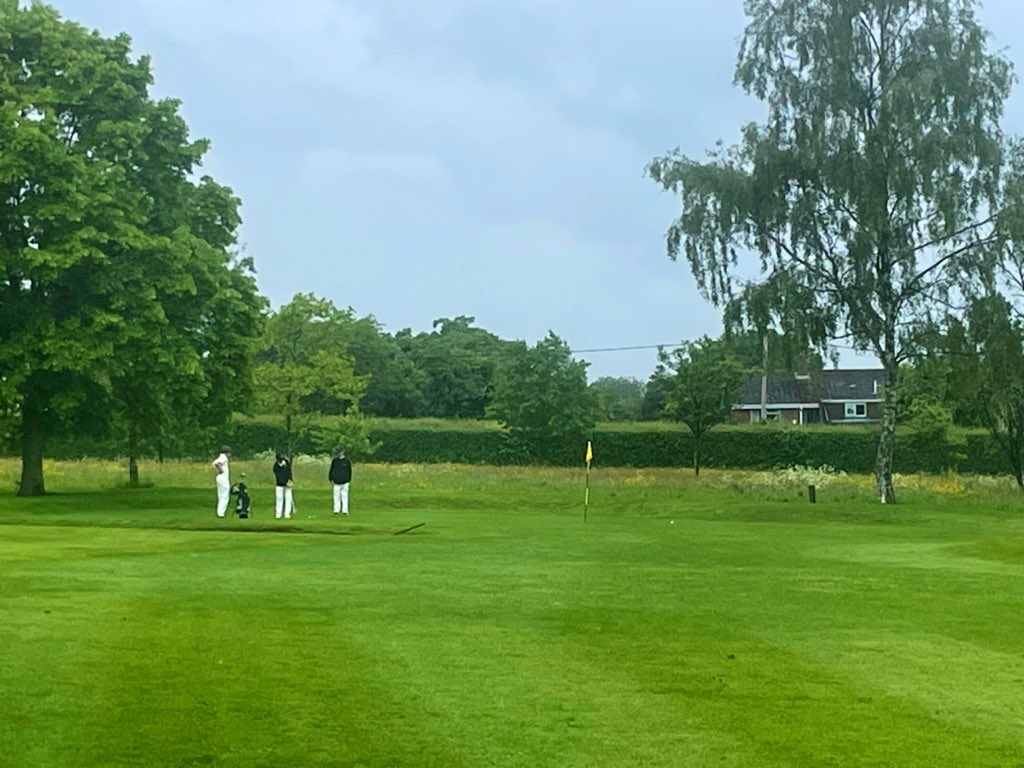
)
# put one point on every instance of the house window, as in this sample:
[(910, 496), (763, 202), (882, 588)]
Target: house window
[(772, 416), (856, 410)]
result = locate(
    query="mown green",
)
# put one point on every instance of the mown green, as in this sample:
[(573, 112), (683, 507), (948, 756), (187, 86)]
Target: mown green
[(721, 622)]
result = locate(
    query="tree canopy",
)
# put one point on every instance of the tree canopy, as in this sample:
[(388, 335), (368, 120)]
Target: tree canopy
[(985, 352), (120, 285), (540, 395), (303, 369), (619, 398), (874, 184), (458, 362), (704, 383)]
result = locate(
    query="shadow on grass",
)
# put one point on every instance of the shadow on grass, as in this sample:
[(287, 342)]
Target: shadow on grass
[(224, 528)]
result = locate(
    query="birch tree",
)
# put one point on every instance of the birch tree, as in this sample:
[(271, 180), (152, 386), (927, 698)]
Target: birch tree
[(874, 182)]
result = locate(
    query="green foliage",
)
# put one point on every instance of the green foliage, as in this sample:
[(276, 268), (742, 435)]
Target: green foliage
[(640, 444), (458, 362), (775, 325), (542, 399), (706, 380), (303, 371), (395, 386), (927, 380), (656, 394), (987, 374), (122, 300), (618, 398), (930, 427), (351, 430), (871, 193)]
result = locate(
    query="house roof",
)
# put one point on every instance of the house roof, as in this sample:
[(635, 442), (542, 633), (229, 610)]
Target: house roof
[(838, 384), (852, 384), (782, 388)]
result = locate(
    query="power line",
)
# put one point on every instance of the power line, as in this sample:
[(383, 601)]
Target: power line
[(626, 349), (673, 346)]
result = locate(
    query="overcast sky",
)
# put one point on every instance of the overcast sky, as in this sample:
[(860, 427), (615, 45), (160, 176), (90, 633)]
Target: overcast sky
[(418, 159)]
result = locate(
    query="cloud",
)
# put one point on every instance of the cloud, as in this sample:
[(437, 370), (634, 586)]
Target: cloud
[(425, 159), (332, 162), (318, 38)]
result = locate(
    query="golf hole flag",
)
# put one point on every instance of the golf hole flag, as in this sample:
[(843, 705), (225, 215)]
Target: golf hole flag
[(586, 495)]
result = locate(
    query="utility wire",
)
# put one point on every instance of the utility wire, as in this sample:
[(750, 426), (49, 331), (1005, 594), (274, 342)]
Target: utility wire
[(666, 346), (626, 349)]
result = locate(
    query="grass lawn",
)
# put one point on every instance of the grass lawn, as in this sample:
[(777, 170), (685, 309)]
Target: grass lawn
[(724, 622)]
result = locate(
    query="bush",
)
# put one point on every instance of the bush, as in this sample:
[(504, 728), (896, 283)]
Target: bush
[(758, 447)]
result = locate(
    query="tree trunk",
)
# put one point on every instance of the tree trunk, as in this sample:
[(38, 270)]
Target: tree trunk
[(33, 438), (133, 456), (1013, 444), (887, 437), (696, 455), (1013, 453), (764, 379)]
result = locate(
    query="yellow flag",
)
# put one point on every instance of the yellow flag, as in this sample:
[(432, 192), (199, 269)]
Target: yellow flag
[(590, 453)]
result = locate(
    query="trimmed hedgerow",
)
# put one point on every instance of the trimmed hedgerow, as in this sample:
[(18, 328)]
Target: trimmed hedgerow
[(848, 449)]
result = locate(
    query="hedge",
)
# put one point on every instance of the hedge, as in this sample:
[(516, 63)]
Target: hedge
[(850, 449)]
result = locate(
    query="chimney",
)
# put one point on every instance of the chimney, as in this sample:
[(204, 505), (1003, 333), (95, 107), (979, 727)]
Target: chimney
[(801, 368)]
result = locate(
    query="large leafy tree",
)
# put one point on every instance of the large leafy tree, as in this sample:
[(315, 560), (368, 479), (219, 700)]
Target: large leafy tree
[(102, 239), (396, 386), (542, 399), (303, 369), (183, 367), (874, 183), (985, 354), (619, 398), (656, 394), (706, 378), (458, 361)]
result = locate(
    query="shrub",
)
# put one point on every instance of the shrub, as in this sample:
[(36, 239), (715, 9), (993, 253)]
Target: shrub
[(637, 445)]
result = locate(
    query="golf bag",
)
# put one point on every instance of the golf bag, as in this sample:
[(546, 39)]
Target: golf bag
[(242, 505)]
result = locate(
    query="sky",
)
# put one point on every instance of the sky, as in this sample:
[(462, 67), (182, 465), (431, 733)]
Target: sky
[(421, 159)]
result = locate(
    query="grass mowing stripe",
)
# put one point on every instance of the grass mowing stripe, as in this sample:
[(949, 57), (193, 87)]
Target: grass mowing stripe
[(753, 631)]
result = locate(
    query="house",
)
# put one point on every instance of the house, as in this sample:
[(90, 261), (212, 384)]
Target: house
[(840, 396)]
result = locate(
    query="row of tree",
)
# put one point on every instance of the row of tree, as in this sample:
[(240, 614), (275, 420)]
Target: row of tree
[(127, 310), (880, 203), (321, 368), (451, 372)]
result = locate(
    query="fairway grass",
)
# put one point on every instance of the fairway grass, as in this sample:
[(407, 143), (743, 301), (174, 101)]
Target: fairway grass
[(719, 622)]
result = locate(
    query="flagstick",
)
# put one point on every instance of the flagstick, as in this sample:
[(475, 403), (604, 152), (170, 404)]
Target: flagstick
[(586, 496)]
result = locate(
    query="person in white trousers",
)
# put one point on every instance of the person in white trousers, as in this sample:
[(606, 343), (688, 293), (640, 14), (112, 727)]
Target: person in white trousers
[(340, 475), (223, 480), (282, 487)]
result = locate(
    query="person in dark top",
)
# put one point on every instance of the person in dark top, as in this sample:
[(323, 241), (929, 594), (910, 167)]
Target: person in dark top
[(283, 486), (340, 474)]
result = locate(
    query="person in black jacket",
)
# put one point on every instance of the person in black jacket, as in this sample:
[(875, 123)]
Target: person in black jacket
[(340, 474), (283, 486)]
